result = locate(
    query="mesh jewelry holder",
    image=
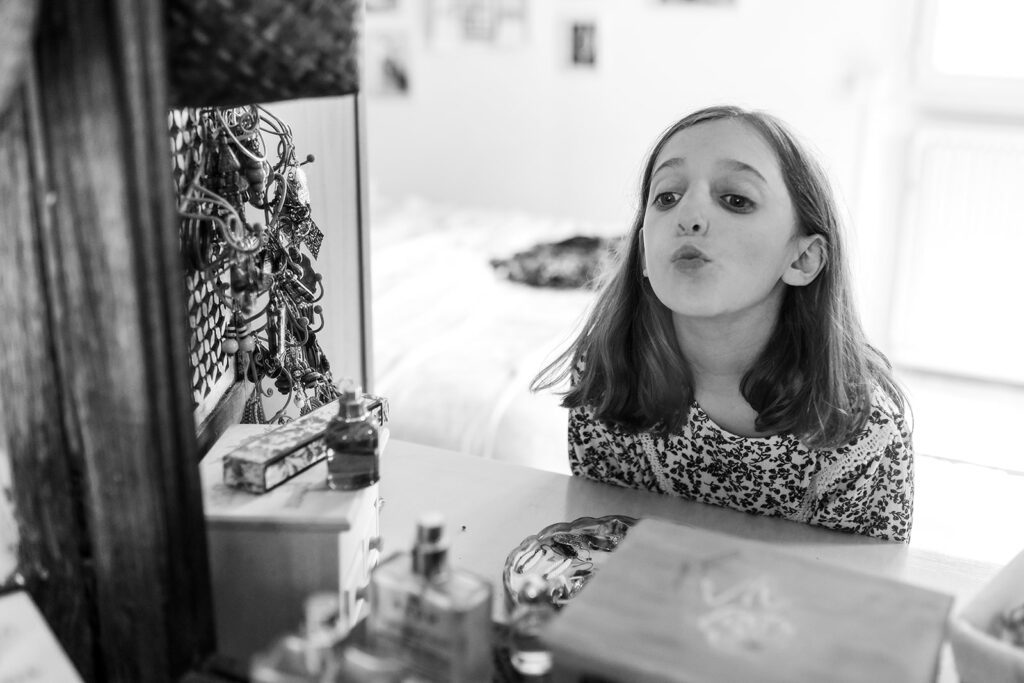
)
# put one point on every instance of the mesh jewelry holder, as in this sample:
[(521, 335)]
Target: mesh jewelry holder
[(248, 245), (207, 315), (232, 52)]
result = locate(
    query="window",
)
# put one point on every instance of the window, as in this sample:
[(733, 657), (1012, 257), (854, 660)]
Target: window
[(971, 56)]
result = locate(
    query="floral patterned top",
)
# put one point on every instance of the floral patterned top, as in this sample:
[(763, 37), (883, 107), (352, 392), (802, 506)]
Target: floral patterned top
[(865, 487)]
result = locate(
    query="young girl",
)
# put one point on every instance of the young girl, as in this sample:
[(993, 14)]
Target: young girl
[(723, 360)]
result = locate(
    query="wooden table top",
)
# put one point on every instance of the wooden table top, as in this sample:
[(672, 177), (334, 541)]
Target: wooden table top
[(490, 507)]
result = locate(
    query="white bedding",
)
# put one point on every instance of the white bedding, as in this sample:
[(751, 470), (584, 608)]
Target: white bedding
[(455, 346)]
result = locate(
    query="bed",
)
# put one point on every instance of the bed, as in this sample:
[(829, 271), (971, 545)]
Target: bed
[(456, 343)]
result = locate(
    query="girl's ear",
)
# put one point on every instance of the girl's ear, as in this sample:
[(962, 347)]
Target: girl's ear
[(808, 263)]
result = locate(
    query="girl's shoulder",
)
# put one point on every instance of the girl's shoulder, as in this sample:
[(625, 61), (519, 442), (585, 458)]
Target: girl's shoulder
[(884, 432), (887, 415)]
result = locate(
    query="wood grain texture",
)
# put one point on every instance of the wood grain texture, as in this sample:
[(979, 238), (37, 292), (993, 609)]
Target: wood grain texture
[(117, 417), (46, 484), (491, 506), (674, 603), (17, 20)]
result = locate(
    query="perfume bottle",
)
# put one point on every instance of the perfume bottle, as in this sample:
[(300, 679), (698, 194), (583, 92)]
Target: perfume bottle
[(361, 663), (527, 651), (438, 618), (352, 438), (307, 656)]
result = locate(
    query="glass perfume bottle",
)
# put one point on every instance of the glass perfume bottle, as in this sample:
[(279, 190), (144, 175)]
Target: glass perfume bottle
[(527, 651), (304, 657), (437, 617), (352, 438), (361, 663)]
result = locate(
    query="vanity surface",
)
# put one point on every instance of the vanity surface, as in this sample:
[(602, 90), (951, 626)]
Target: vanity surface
[(490, 507)]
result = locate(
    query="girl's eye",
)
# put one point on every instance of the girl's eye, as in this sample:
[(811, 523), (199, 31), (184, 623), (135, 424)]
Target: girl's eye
[(737, 202), (665, 200)]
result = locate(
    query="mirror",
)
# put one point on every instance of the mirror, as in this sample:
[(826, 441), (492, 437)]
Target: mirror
[(489, 135)]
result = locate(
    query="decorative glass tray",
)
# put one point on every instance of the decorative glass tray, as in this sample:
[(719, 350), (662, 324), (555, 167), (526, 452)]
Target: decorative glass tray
[(565, 555)]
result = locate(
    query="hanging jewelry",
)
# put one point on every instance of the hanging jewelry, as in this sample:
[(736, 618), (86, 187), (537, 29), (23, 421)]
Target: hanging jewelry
[(263, 271)]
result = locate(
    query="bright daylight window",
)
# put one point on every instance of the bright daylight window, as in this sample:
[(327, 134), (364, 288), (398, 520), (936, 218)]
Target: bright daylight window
[(972, 56), (956, 323), (967, 143), (978, 38)]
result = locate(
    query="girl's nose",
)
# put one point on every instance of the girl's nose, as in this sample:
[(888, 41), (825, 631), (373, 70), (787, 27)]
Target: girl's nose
[(693, 226), (691, 221), (691, 213)]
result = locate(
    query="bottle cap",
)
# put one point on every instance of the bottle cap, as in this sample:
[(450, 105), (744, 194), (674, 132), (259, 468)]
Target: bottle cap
[(430, 554), (349, 389), (320, 612), (430, 528), (351, 405)]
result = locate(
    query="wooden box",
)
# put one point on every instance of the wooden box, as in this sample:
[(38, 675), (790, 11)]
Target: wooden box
[(675, 603)]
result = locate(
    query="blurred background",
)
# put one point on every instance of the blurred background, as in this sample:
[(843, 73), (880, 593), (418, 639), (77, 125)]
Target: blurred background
[(495, 126)]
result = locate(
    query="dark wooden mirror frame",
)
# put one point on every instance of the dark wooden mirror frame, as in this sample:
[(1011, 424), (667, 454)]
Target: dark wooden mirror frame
[(97, 427), (95, 407)]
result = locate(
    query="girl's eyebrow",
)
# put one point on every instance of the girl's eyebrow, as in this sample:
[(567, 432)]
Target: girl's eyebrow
[(737, 165), (674, 162), (731, 164)]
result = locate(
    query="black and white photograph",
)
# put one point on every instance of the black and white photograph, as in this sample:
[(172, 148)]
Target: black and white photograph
[(584, 44), (451, 25), (387, 69), (494, 341)]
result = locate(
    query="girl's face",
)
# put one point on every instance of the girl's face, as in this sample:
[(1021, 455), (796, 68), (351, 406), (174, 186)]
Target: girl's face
[(719, 230)]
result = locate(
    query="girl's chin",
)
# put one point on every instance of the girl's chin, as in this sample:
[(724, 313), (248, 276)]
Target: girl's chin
[(696, 310), (698, 314)]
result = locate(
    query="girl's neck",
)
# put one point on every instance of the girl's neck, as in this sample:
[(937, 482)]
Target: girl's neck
[(720, 351)]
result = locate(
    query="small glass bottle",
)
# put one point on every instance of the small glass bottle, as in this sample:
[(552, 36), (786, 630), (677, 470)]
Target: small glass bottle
[(437, 617), (361, 663), (304, 657), (527, 652), (352, 438)]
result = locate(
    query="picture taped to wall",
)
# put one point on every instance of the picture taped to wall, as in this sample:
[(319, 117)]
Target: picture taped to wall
[(387, 63), (495, 23), (584, 44)]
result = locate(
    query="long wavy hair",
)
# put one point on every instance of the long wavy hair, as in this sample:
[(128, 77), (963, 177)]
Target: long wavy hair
[(815, 376)]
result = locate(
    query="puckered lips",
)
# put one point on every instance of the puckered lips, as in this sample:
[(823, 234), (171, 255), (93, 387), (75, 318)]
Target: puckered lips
[(689, 258)]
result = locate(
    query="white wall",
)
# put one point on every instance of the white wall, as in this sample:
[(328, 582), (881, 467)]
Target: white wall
[(519, 128)]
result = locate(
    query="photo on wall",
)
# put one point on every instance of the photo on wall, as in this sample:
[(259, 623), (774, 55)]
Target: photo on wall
[(584, 44), (387, 63), (493, 23)]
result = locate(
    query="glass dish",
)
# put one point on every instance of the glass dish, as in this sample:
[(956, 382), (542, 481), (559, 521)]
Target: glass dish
[(565, 555)]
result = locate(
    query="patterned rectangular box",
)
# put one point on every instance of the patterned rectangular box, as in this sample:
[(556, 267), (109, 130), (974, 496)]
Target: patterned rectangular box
[(675, 603), (265, 461)]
